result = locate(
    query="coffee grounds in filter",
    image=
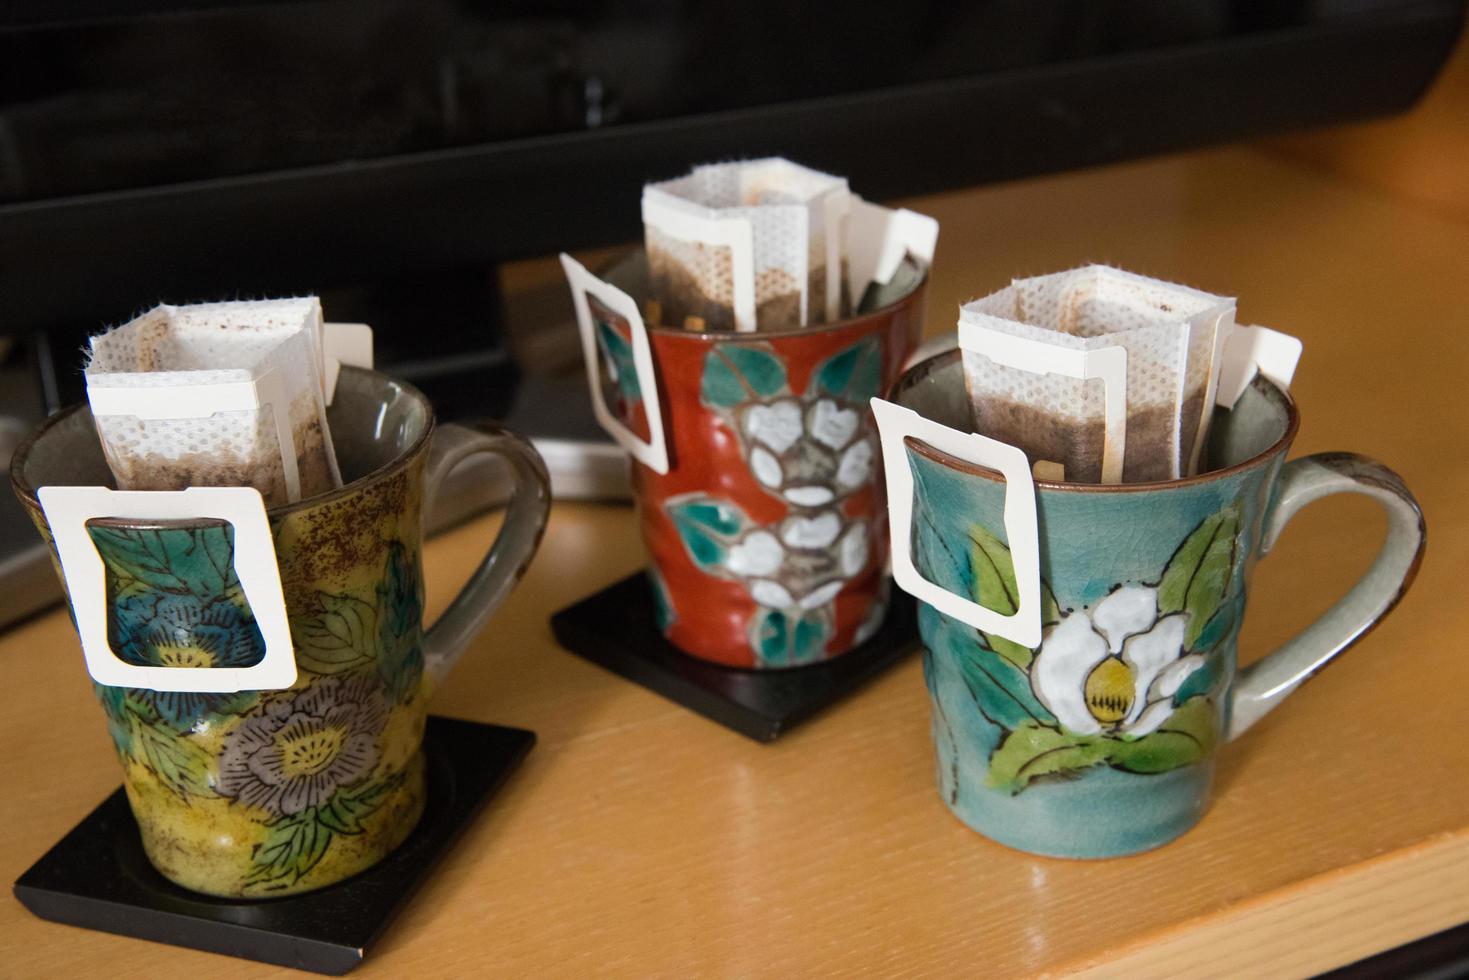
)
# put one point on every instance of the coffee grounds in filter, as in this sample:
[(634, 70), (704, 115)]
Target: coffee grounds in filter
[(681, 296)]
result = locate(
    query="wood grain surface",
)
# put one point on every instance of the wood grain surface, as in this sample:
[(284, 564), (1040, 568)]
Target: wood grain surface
[(641, 840)]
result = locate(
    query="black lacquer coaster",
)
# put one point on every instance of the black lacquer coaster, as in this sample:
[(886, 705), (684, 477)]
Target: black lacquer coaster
[(616, 629), (98, 877)]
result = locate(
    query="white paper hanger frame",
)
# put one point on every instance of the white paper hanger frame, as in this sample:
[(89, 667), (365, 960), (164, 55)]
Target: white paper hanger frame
[(1252, 350), (877, 240), (67, 511), (343, 345), (895, 423), (654, 452)]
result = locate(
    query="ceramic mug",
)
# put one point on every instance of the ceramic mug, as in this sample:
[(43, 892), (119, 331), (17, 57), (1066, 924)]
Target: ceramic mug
[(1100, 738), (265, 793), (755, 467)]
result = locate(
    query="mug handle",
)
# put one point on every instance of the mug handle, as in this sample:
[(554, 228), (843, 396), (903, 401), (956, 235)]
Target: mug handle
[(1262, 686), (505, 562)]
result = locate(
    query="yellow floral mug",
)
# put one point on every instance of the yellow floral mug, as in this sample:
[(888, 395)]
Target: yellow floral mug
[(266, 793)]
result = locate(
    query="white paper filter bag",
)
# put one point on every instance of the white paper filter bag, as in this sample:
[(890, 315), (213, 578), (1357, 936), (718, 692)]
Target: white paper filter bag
[(757, 244), (1169, 336), (217, 394)]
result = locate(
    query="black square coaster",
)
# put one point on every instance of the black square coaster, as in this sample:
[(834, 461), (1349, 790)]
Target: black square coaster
[(98, 877), (617, 629)]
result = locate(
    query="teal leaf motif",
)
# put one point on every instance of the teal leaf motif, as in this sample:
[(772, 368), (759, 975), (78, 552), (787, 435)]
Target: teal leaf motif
[(734, 373), (1000, 689), (400, 625), (1200, 682), (193, 560), (662, 604), (112, 699), (809, 641), (853, 375), (772, 636), (707, 526), (779, 642), (619, 351)]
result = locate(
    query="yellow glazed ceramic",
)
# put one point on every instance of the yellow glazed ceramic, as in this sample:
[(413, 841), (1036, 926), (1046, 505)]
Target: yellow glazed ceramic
[(263, 793)]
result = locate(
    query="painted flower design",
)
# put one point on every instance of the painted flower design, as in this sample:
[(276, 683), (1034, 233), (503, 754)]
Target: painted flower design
[(1127, 681), (811, 449), (295, 752), (167, 630), (1115, 668), (174, 600)]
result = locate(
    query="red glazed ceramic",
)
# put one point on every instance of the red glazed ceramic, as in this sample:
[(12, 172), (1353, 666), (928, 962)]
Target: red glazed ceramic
[(756, 469)]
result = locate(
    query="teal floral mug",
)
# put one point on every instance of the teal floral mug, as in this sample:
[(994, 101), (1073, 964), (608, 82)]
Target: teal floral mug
[(262, 793), (1097, 735)]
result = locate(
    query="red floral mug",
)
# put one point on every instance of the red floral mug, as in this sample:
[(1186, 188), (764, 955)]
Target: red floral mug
[(755, 466)]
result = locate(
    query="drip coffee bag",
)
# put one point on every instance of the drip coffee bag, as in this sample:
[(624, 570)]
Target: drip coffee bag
[(1099, 375), (216, 394), (758, 244)]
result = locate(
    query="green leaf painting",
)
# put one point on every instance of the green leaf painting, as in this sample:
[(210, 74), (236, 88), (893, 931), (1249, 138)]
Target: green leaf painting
[(993, 573), (1197, 577), (343, 636), (1188, 736), (348, 633), (180, 763), (706, 526), (734, 373), (853, 374), (345, 811), (293, 845), (1033, 750), (296, 843)]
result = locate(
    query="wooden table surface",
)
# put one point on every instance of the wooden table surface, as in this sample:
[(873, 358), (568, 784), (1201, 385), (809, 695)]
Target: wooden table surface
[(640, 839)]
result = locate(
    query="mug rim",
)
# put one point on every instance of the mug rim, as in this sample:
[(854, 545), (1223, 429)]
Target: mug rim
[(922, 369), (28, 493), (724, 336)]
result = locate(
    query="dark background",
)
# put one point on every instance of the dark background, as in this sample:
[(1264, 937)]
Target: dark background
[(387, 153)]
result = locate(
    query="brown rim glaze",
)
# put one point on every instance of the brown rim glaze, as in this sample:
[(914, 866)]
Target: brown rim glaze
[(27, 493), (606, 272), (920, 371)]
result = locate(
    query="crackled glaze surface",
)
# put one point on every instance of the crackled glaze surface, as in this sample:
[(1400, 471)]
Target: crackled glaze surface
[(1100, 740), (260, 793)]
